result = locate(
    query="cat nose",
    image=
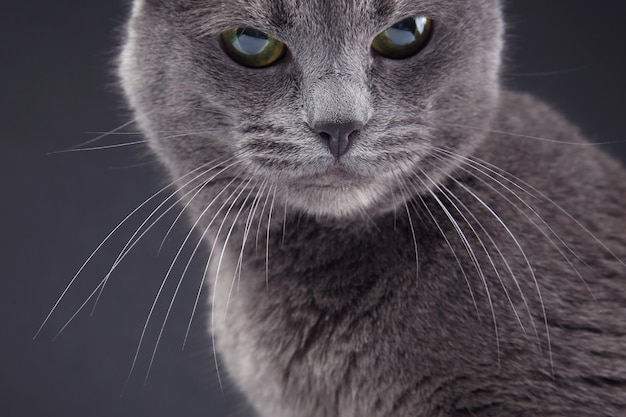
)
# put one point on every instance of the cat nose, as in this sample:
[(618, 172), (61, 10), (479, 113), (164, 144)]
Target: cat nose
[(338, 135)]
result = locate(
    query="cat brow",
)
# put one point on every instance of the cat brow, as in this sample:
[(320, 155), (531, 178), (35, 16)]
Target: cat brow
[(278, 13), (382, 9)]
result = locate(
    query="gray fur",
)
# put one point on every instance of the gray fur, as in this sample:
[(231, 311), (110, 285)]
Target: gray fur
[(411, 277)]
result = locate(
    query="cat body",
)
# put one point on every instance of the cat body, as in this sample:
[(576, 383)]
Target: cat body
[(462, 256), (336, 331)]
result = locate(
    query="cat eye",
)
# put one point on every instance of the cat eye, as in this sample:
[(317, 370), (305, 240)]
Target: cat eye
[(252, 48), (404, 39)]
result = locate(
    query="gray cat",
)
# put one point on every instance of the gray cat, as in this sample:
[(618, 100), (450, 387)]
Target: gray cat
[(390, 232)]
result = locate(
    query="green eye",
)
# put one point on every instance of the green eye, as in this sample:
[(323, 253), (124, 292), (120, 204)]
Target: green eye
[(404, 39), (252, 48)]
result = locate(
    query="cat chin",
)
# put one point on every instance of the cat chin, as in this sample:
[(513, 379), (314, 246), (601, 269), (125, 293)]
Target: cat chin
[(341, 193), (334, 202)]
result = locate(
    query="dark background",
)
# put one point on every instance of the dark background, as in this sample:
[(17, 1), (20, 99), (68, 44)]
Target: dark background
[(56, 87)]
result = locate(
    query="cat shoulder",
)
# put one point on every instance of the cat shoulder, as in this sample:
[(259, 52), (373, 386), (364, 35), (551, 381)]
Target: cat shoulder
[(527, 129)]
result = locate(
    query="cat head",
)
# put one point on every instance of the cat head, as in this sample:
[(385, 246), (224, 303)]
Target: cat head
[(340, 106)]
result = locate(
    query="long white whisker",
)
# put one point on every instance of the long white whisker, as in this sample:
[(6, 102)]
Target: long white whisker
[(217, 369), (258, 227), (112, 133), (130, 244), (247, 227), (458, 261), (175, 294), (80, 148), (417, 258), (417, 262), (206, 270), (228, 235), (160, 290), (100, 287), (447, 193), (100, 148), (549, 200), (139, 234), (530, 268), (105, 240), (479, 169), (169, 230), (486, 172), (267, 243), (495, 245), (282, 241), (474, 258), (103, 135), (524, 136)]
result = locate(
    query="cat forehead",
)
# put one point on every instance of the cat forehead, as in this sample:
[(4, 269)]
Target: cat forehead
[(214, 16)]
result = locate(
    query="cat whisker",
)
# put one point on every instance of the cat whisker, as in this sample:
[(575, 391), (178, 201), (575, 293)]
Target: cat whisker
[(100, 148), (449, 194), (169, 308), (116, 132), (417, 260), (216, 277), (559, 207), (186, 134), (169, 230), (168, 273), (247, 227), (162, 286), (526, 260), (258, 227), (157, 132), (228, 236), (267, 243), (500, 221), (202, 237), (525, 136), (106, 239), (175, 294), (483, 171), (408, 214), (282, 241), (99, 289), (102, 135), (483, 166), (112, 133), (197, 190), (458, 261), (545, 73), (472, 255), (140, 232), (134, 239), (78, 310)]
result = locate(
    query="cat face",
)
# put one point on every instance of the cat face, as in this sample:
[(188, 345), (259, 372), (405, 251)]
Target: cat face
[(339, 115)]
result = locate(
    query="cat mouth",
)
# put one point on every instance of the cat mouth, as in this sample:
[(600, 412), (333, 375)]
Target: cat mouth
[(336, 191)]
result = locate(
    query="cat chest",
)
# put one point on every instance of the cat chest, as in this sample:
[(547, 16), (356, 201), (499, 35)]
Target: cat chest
[(294, 333)]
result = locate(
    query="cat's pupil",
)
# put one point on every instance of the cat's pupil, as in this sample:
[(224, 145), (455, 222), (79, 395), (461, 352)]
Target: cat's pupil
[(251, 47), (404, 39), (403, 33), (250, 41)]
